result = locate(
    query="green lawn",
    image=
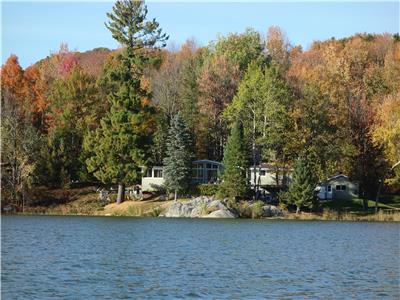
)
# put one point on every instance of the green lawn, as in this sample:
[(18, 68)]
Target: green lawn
[(355, 205)]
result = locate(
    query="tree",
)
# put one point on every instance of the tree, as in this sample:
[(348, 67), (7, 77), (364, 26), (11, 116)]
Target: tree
[(218, 82), (165, 85), (74, 106), (241, 49), (234, 176), (301, 190), (261, 103), (178, 160), (119, 147), (12, 83), (35, 92), (278, 48), (386, 133), (19, 149)]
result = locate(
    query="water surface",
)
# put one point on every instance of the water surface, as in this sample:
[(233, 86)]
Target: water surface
[(47, 257)]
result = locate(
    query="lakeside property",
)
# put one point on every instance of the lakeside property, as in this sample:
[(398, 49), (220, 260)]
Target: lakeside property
[(247, 117), (85, 201)]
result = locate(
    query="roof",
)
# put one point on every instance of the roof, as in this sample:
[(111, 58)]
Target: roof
[(337, 176), (271, 167)]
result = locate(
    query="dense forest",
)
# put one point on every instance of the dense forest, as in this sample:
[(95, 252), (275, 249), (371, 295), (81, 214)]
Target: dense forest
[(337, 104)]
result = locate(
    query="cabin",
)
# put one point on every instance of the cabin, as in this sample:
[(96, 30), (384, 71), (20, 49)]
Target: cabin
[(269, 180), (203, 171), (337, 187), (267, 176)]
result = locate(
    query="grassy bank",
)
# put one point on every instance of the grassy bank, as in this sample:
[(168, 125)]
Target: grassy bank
[(381, 216)]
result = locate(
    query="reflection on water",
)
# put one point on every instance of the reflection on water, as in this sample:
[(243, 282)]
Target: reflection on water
[(46, 257)]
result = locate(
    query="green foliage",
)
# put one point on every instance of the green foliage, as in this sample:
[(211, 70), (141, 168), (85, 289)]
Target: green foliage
[(129, 26), (234, 179), (177, 163), (208, 189), (262, 104), (20, 143), (241, 49), (74, 109), (61, 161), (120, 146), (257, 209), (301, 191)]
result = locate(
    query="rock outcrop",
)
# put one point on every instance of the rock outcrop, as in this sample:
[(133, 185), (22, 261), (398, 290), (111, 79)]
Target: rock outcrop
[(271, 211), (221, 214), (204, 207), (200, 207)]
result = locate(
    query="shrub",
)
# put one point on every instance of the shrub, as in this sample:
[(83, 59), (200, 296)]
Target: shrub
[(245, 210), (156, 211), (257, 210), (194, 190), (208, 189)]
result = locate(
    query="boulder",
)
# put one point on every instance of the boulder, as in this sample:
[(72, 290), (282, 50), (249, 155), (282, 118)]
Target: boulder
[(197, 207), (271, 211), (215, 205), (197, 212), (221, 213), (175, 210)]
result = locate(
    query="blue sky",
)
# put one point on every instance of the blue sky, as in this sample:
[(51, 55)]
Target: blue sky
[(32, 30)]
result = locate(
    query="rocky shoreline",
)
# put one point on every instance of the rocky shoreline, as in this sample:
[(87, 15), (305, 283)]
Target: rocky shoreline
[(204, 207)]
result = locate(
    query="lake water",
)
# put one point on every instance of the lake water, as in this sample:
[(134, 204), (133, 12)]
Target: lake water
[(45, 257)]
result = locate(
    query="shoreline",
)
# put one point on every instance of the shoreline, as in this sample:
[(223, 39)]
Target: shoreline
[(380, 217)]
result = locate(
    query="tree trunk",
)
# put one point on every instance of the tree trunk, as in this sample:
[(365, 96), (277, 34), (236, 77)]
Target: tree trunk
[(297, 210), (175, 196), (121, 193), (377, 196)]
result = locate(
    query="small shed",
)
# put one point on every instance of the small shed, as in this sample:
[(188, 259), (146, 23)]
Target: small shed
[(337, 187)]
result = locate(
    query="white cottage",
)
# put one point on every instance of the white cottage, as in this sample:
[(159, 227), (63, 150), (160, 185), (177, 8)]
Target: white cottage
[(337, 187), (203, 171), (267, 175)]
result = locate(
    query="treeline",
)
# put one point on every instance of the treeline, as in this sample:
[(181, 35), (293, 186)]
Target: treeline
[(336, 103)]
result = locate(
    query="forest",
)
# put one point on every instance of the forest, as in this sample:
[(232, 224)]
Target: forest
[(97, 117)]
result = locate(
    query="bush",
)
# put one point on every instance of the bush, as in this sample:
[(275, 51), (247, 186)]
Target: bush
[(156, 211), (194, 190), (245, 210), (257, 210), (208, 189)]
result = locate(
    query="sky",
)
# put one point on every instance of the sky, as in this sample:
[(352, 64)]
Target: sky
[(33, 30)]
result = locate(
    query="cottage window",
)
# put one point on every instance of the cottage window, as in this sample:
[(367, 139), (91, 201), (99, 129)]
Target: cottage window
[(329, 188), (343, 187), (262, 172), (148, 172), (158, 173), (338, 188)]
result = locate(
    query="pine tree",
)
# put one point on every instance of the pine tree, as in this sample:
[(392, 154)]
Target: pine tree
[(301, 190), (177, 163), (120, 145), (235, 182)]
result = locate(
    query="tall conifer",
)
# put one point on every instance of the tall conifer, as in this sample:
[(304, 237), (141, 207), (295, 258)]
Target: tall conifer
[(121, 144), (177, 163), (234, 180), (301, 190)]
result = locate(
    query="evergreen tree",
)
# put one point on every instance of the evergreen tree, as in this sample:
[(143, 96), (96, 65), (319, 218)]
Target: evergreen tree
[(177, 163), (301, 190), (120, 145), (235, 182)]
